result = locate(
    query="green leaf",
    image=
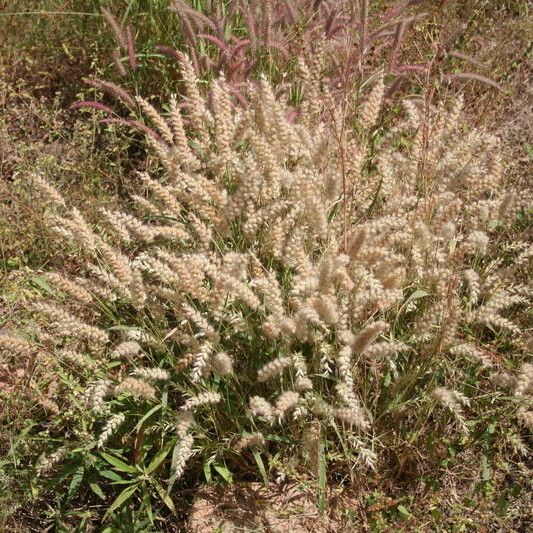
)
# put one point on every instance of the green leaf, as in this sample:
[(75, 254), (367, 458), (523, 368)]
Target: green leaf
[(109, 474), (321, 477), (436, 514), (419, 293), (279, 438), (43, 284), (34, 488), (147, 416), (147, 503), (485, 468), (125, 481), (164, 497), (123, 497), (97, 490), (207, 472), (74, 486), (403, 511), (66, 472), (156, 461), (118, 464), (261, 466), (225, 473), (502, 504)]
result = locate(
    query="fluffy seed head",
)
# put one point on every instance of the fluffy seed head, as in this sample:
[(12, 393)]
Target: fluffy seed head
[(204, 398), (273, 368), (249, 441), (223, 363), (136, 387), (286, 402)]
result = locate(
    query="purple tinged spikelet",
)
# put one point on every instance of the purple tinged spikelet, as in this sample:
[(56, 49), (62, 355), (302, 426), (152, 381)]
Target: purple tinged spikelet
[(113, 89)]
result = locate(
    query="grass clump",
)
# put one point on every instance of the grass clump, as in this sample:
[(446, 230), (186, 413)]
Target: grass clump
[(275, 284)]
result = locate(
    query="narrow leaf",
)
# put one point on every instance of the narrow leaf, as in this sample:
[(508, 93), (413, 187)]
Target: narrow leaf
[(118, 464), (167, 500), (261, 466), (207, 472), (109, 474), (123, 497), (321, 477), (97, 490), (225, 473), (157, 460), (74, 486), (147, 416)]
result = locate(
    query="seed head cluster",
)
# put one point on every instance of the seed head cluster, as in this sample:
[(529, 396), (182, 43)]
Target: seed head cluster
[(273, 274)]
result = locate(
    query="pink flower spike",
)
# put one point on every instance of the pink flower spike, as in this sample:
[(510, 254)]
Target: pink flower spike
[(292, 116), (215, 40), (130, 40), (133, 124), (113, 89), (240, 45), (398, 9), (93, 104), (168, 51)]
